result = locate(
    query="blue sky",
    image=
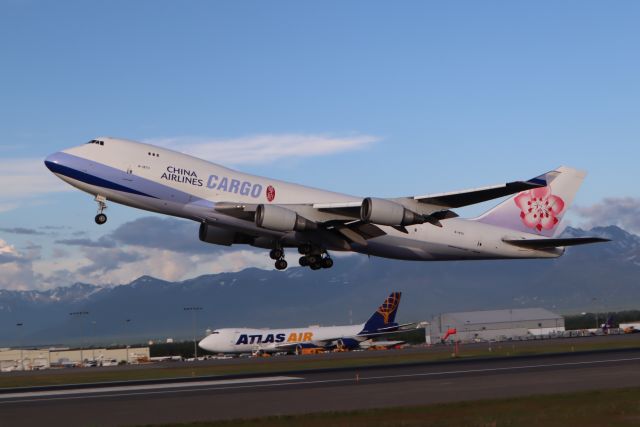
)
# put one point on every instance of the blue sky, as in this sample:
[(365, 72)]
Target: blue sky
[(444, 95)]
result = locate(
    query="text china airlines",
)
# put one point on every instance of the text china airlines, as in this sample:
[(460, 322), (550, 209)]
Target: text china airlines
[(186, 176)]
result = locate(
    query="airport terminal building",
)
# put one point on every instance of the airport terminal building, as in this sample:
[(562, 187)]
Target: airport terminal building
[(34, 359), (496, 324)]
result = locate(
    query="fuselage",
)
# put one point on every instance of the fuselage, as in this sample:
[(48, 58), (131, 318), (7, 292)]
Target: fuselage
[(160, 180), (245, 340)]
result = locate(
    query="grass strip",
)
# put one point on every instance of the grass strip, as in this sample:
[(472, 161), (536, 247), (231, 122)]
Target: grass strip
[(619, 407)]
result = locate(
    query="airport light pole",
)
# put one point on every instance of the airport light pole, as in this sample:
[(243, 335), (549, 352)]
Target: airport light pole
[(194, 310), (466, 330), (127, 322), (93, 336), (19, 326), (79, 315)]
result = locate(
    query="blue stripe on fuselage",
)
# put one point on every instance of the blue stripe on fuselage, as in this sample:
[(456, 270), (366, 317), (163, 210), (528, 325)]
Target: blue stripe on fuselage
[(90, 179)]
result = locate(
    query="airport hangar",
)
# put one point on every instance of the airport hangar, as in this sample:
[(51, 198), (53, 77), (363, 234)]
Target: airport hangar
[(32, 359), (495, 324)]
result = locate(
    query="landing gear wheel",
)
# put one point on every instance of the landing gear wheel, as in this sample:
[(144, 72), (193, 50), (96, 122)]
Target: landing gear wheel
[(281, 264), (327, 262), (303, 261), (313, 259), (315, 266), (276, 253), (101, 219)]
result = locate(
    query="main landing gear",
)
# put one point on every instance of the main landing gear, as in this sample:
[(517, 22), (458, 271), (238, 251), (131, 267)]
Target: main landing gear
[(314, 258), (101, 218), (277, 254)]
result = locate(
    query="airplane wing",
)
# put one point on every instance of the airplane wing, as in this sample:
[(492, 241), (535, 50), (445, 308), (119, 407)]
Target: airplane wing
[(290, 346), (435, 207), (553, 243), (344, 220), (349, 221), (458, 199), (357, 231)]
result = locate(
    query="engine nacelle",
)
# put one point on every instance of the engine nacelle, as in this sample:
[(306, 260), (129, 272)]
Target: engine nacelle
[(277, 218), (386, 212), (347, 343), (219, 236)]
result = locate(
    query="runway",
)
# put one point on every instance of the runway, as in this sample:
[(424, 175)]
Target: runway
[(327, 390)]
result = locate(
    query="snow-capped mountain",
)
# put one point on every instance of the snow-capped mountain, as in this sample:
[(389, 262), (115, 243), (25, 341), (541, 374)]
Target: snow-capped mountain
[(599, 277)]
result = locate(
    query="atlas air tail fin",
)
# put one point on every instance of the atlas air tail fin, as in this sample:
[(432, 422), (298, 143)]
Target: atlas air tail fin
[(539, 210), (385, 315)]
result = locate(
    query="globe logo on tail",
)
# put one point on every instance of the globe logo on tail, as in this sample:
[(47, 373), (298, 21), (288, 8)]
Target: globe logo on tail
[(389, 306)]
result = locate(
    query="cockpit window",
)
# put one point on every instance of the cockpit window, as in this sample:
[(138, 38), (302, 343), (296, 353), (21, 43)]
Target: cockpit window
[(95, 141)]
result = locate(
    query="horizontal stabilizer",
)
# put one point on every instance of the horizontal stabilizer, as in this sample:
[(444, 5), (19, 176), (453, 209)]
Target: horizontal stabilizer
[(384, 333), (553, 243), (396, 328)]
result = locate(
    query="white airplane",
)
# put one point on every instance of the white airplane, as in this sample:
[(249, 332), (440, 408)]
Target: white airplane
[(237, 208), (243, 340)]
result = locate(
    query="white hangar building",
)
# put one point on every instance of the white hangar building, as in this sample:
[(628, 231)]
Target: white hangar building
[(496, 324)]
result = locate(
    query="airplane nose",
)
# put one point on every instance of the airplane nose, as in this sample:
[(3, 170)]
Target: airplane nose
[(203, 343), (209, 343), (52, 161)]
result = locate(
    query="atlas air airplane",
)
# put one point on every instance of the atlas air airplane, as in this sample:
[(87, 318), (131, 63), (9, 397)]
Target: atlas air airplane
[(242, 340), (237, 208)]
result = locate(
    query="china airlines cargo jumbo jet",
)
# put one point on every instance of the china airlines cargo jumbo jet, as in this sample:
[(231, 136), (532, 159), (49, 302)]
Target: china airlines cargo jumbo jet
[(237, 208), (243, 340)]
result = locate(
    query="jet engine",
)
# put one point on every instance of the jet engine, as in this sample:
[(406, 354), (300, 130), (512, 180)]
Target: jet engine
[(386, 212), (277, 218), (219, 236), (347, 343)]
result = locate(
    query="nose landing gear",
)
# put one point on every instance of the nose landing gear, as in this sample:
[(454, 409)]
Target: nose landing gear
[(101, 218)]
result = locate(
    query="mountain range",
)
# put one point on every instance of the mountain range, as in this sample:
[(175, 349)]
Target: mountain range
[(598, 277)]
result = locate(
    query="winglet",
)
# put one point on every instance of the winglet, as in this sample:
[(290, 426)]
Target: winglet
[(544, 179), (536, 182)]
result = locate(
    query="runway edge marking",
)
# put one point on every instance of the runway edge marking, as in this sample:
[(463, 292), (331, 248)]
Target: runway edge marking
[(173, 386)]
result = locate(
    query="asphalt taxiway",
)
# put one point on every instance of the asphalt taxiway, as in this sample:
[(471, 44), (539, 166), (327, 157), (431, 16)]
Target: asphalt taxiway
[(322, 390)]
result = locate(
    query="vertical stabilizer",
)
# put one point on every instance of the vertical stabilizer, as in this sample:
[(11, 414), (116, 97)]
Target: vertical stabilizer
[(540, 210), (385, 315)]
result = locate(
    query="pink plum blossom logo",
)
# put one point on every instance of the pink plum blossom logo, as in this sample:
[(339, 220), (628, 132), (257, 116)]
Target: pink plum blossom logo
[(271, 193), (539, 208)]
